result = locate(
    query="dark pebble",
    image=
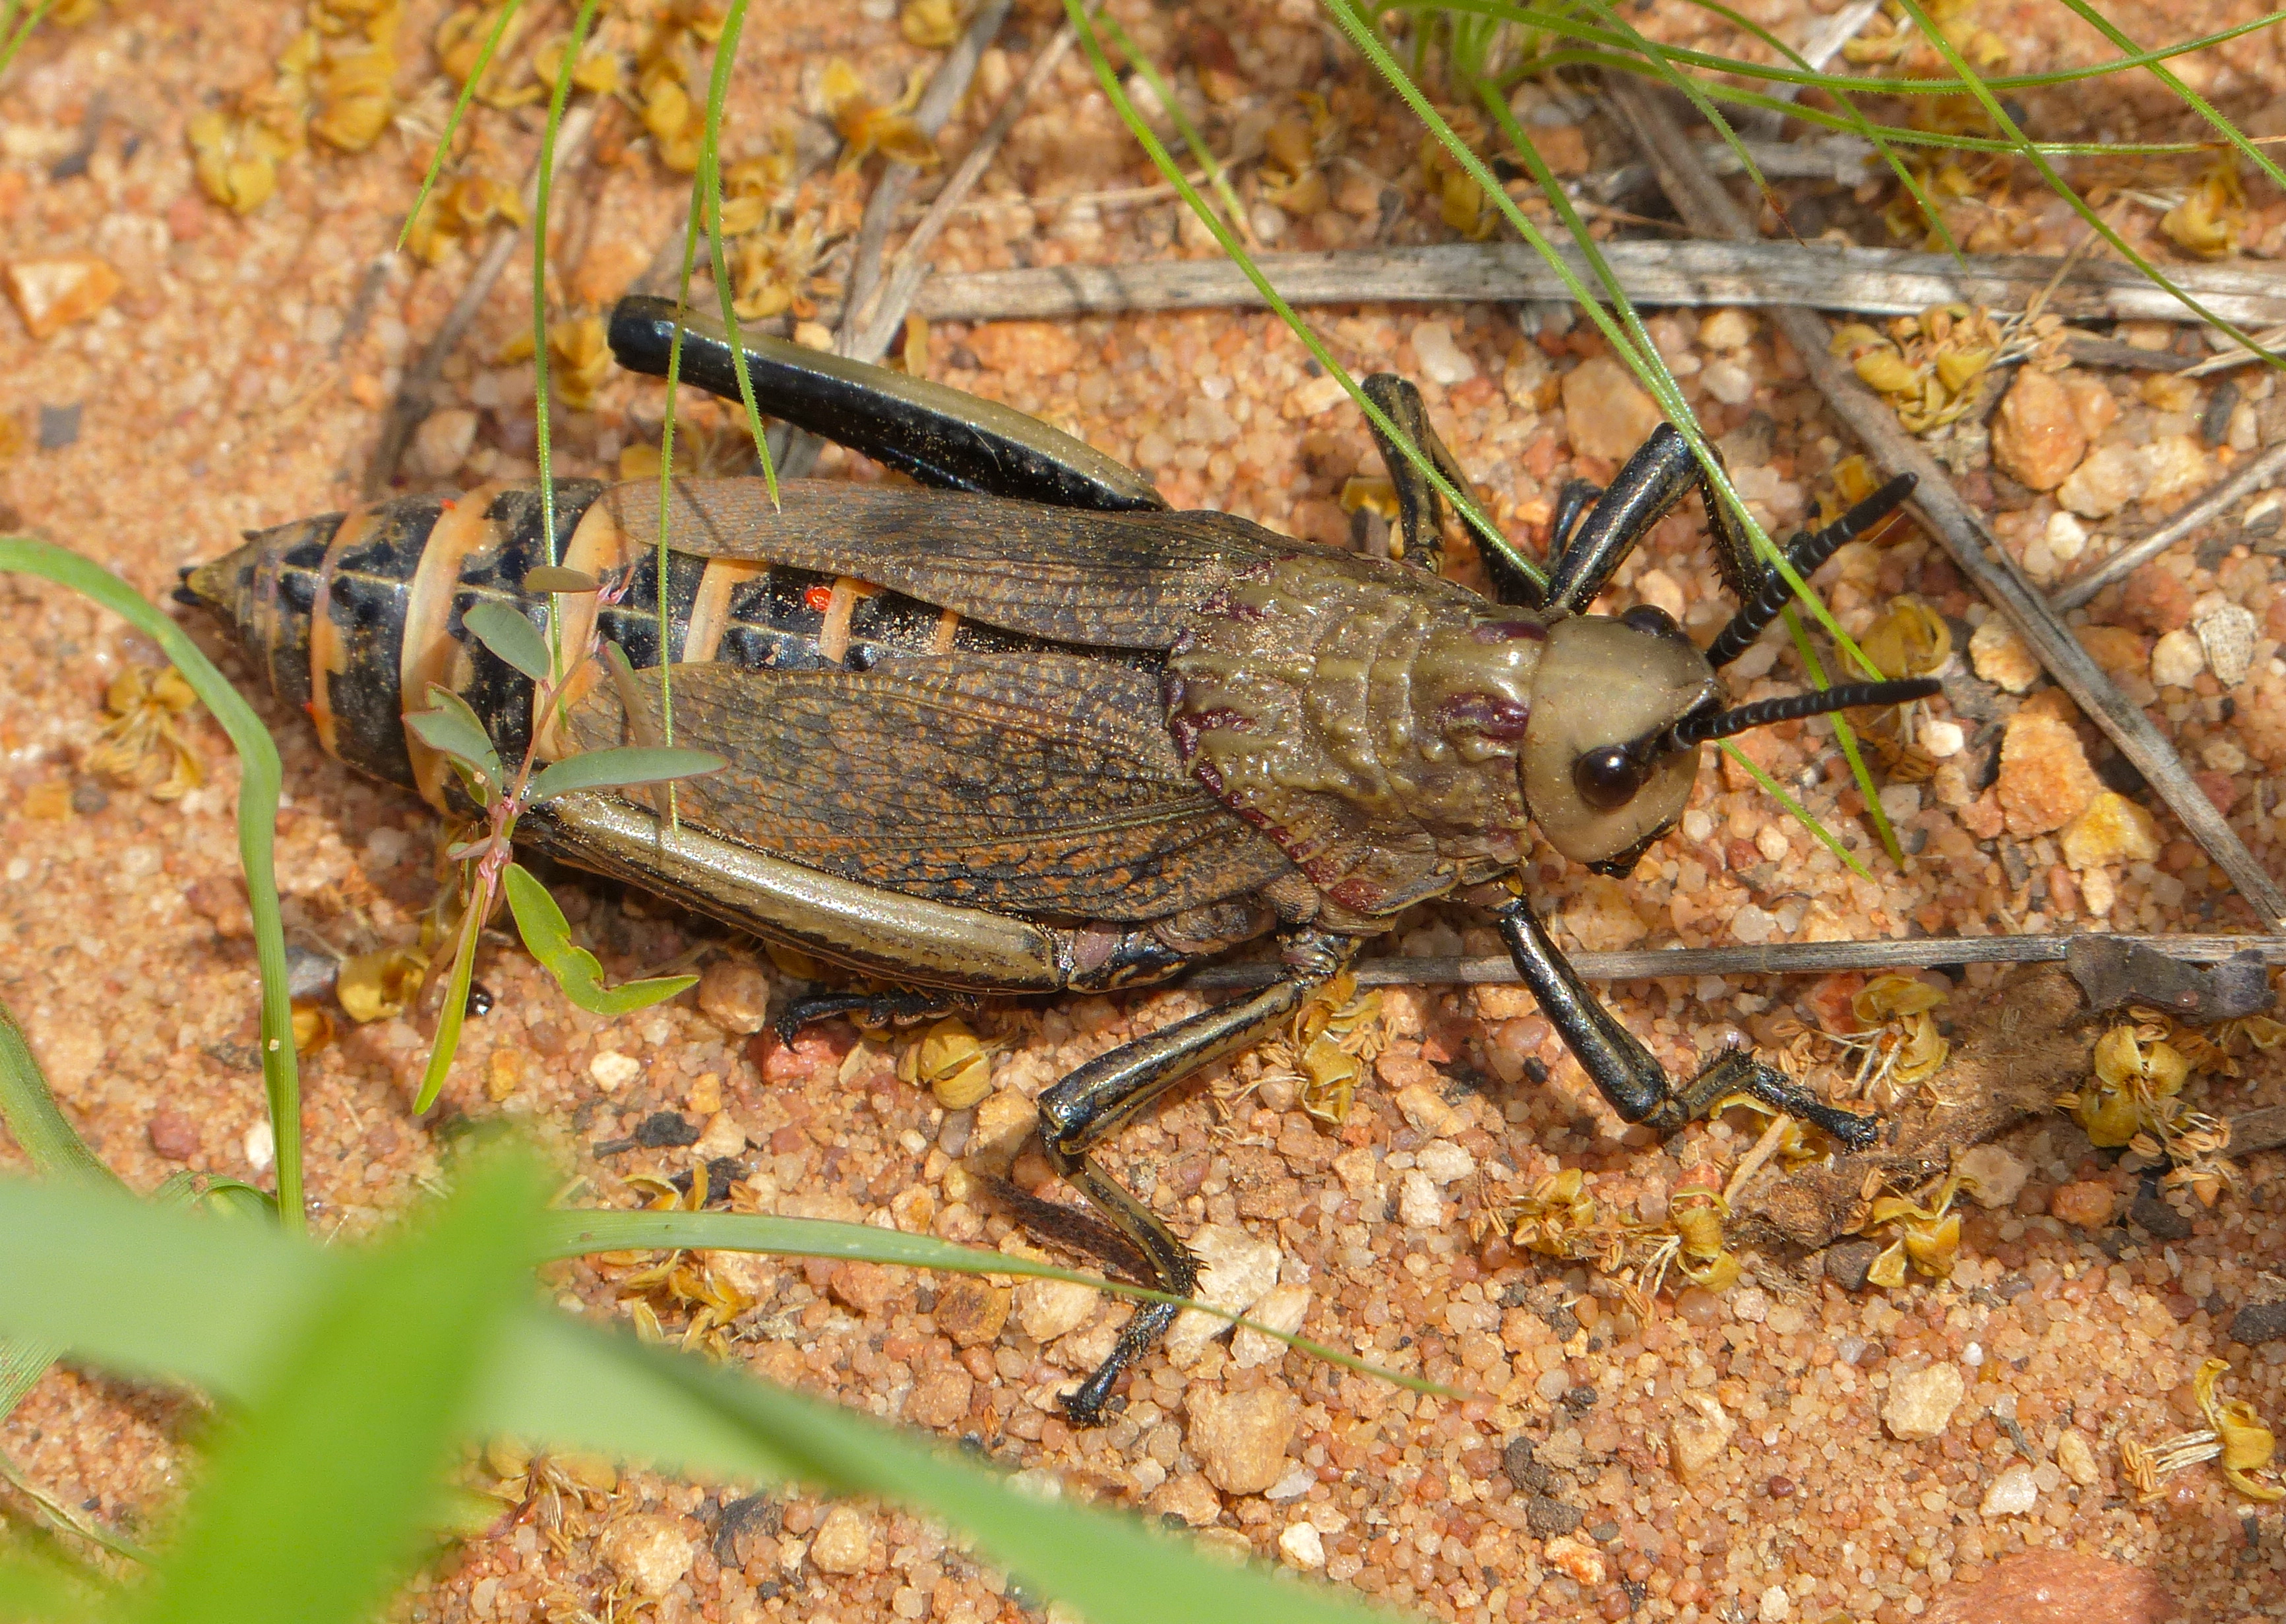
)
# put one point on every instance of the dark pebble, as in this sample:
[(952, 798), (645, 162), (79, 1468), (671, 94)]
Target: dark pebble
[(1848, 1263), (665, 1129), (1523, 1470), (1581, 1397), (1604, 1534), (2258, 1322), (173, 1135), (2158, 1219), (59, 426), (1780, 1488), (89, 797), (1550, 1518)]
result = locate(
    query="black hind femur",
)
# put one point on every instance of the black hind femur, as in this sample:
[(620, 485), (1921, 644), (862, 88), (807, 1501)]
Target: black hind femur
[(1805, 553), (1697, 728)]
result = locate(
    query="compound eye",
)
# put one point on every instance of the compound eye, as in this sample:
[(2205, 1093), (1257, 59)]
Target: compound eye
[(1608, 779), (1650, 617)]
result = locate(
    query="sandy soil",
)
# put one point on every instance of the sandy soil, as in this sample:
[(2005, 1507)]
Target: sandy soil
[(236, 380)]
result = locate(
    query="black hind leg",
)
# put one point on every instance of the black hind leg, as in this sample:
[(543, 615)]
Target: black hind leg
[(868, 1009), (940, 435)]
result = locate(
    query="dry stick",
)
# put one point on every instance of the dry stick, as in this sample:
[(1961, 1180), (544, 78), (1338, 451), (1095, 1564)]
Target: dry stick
[(1874, 281), (945, 90), (1776, 959), (911, 268), (417, 392), (1709, 210), (2264, 470)]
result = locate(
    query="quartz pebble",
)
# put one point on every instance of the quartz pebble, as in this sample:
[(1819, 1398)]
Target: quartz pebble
[(1426, 1109), (1188, 1496), (2077, 1459), (2045, 779), (1419, 1205), (1444, 1162), (2057, 1587), (1032, 347), (1575, 1558), (2037, 439), (2083, 1202), (2012, 1493), (1993, 1175), (2227, 636), (2001, 656), (2174, 465), (2112, 830), (843, 1542), (1049, 1308), (1728, 382), (1302, 1545), (1605, 412), (735, 994), (2177, 659), (650, 1552), (1281, 1308), (1775, 1607), (1696, 1443), (610, 1070), (1726, 329), (1441, 359), (1240, 1439), (51, 294), (1922, 1402), (442, 442), (1235, 1271), (971, 1312), (2108, 478)]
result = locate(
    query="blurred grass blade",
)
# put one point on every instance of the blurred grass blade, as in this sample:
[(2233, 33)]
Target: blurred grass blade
[(547, 934), (13, 43), (29, 1109), (257, 820), (39, 1582), (214, 1302), (313, 1497), (444, 148), (1216, 172), (543, 189)]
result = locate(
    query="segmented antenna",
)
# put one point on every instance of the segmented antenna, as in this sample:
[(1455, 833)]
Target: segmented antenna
[(1695, 730), (1805, 553)]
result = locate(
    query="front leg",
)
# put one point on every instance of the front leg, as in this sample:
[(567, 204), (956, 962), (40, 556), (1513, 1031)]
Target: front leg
[(1101, 1096), (1421, 507), (1627, 1073)]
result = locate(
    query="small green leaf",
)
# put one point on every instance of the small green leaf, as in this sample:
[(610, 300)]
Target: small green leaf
[(548, 935), (556, 579), (511, 637), (452, 729), (632, 763)]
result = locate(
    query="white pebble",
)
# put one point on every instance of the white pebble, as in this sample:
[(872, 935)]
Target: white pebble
[(2066, 536), (1302, 1546), (261, 1146), (1444, 1162), (2177, 659), (1441, 359), (1751, 925), (612, 1071), (1901, 801), (1941, 738), (1728, 382), (1775, 1606), (1419, 1206), (2013, 1493)]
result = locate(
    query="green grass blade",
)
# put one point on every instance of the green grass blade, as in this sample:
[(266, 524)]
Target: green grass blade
[(315, 1495), (708, 184), (213, 1303), (257, 820), (581, 1232), (1771, 787), (1217, 173), (1846, 736), (29, 1109), (1486, 533), (453, 120), (10, 44)]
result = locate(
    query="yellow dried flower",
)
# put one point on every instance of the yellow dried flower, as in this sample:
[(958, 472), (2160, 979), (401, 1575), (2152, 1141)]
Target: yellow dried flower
[(374, 987), (2247, 1444), (1330, 1075), (143, 743), (1911, 639), (354, 97), (582, 358), (950, 1063), (2209, 219), (930, 23), (235, 160), (867, 127)]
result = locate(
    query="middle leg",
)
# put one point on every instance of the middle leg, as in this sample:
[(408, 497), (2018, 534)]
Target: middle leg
[(1627, 1073)]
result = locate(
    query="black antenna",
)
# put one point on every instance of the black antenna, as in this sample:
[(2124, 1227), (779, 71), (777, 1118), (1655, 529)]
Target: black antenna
[(1805, 553), (1698, 727)]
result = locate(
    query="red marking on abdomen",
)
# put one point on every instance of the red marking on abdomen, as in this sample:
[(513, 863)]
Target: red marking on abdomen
[(818, 598)]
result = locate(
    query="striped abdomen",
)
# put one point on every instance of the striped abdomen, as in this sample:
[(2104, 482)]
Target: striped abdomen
[(352, 616)]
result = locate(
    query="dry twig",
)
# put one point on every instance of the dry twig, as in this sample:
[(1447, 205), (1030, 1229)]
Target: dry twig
[(1873, 281), (2264, 470), (1702, 202)]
